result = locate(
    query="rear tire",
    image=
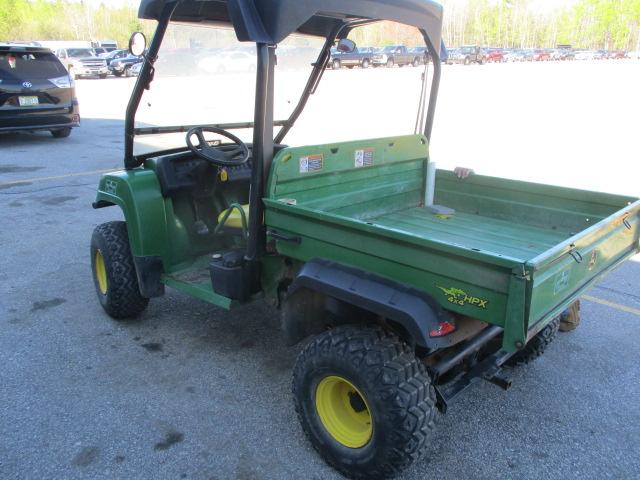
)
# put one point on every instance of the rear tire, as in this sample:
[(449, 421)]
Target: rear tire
[(61, 132), (537, 345), (364, 401), (390, 63), (127, 71), (365, 63), (570, 318), (103, 75), (117, 73), (114, 273), (335, 65), (416, 62)]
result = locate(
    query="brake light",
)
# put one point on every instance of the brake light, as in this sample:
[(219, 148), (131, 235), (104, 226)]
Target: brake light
[(444, 328), (61, 82)]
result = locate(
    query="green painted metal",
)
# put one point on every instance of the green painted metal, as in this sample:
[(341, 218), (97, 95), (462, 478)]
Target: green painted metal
[(514, 254), (500, 258)]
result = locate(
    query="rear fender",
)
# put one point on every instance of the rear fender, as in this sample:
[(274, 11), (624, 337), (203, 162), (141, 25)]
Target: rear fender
[(137, 193), (413, 310)]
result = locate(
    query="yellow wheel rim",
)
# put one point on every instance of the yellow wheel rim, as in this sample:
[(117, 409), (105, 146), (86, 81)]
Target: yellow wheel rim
[(344, 412), (101, 272)]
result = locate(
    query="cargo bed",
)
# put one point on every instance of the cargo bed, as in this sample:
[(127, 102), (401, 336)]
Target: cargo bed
[(513, 254)]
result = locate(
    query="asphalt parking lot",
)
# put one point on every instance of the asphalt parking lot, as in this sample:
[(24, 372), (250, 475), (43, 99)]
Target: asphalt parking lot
[(190, 391)]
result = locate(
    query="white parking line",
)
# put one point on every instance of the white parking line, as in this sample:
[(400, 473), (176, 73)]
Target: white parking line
[(57, 177)]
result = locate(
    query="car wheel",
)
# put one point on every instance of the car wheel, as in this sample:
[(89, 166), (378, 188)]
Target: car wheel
[(416, 62), (467, 60), (364, 400), (127, 72), (117, 73), (61, 132), (103, 75), (114, 273), (390, 63), (537, 345), (365, 63), (335, 65)]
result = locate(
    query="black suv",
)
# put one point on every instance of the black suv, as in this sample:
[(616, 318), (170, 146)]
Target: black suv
[(36, 92)]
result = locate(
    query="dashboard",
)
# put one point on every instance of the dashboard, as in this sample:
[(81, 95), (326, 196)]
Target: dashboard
[(183, 172)]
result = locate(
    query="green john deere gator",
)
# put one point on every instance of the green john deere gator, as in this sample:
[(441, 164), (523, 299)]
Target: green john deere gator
[(406, 283)]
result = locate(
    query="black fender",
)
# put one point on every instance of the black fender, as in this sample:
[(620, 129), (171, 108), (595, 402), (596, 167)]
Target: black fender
[(414, 310)]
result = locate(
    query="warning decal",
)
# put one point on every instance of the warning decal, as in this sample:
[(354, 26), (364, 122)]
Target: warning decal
[(311, 163), (364, 157)]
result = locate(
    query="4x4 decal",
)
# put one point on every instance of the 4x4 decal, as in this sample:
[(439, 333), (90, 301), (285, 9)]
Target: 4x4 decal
[(460, 297)]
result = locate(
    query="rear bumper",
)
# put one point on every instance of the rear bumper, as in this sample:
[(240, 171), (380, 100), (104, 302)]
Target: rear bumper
[(40, 120)]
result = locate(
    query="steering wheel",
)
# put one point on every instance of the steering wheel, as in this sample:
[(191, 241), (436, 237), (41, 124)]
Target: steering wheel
[(216, 155)]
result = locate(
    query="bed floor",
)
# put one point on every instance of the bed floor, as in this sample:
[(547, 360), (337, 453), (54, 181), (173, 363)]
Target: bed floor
[(491, 235)]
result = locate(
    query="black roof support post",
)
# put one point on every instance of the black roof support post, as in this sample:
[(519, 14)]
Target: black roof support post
[(435, 84), (144, 79), (262, 155)]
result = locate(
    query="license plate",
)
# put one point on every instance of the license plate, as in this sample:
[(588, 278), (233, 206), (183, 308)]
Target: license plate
[(28, 101)]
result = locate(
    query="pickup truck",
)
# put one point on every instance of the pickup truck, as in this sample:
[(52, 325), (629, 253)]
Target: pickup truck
[(358, 58), (469, 54), (393, 55), (82, 62)]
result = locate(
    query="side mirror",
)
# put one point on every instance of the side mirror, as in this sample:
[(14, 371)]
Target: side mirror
[(137, 43), (346, 46)]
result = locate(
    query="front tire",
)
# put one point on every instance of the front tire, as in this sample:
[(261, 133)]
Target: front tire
[(537, 345), (364, 400), (335, 65), (390, 63), (365, 63), (114, 273)]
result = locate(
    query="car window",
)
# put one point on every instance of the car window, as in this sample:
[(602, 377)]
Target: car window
[(29, 66), (80, 52)]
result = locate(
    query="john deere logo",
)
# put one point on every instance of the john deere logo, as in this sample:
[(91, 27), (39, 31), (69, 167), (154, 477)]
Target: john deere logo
[(460, 297)]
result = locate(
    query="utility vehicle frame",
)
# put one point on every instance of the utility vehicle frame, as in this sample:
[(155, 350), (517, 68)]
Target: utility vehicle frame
[(402, 303)]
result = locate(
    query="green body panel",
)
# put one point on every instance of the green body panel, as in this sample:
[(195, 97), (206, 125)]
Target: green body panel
[(497, 259), (163, 227), (137, 193), (514, 254)]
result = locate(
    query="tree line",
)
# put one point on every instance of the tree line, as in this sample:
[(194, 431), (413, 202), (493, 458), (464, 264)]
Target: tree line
[(609, 24)]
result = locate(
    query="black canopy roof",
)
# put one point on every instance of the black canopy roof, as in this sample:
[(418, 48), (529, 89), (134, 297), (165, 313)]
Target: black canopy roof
[(270, 21)]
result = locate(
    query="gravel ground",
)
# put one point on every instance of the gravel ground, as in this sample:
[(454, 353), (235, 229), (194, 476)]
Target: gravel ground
[(189, 391)]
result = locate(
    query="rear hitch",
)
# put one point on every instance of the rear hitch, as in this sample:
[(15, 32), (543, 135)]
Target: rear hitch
[(489, 369)]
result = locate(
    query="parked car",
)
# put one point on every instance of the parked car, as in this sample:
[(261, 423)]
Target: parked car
[(469, 54), (616, 55), (541, 55), (233, 61), (635, 55), (82, 62), (114, 55), (393, 55), (134, 71), (36, 91), (585, 55), (495, 55), (422, 52), (357, 58), (122, 66), (100, 51)]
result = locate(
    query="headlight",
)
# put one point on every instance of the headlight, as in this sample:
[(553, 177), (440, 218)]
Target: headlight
[(61, 82)]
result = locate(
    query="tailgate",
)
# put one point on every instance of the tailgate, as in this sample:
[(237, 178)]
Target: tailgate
[(561, 274)]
